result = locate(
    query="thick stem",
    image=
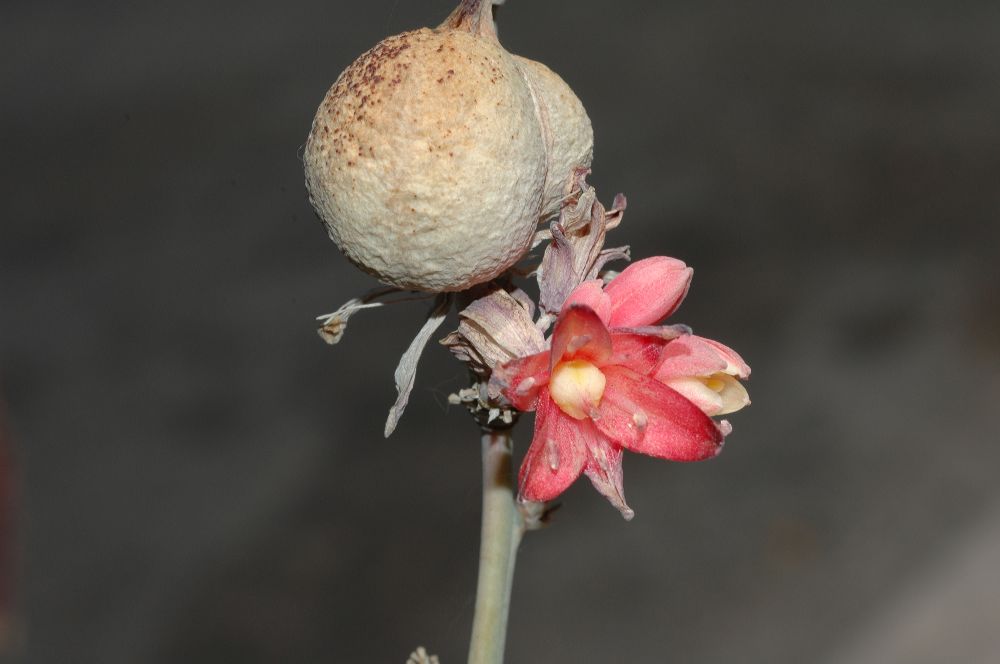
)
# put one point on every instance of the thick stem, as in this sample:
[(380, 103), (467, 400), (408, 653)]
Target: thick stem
[(475, 16), (500, 537)]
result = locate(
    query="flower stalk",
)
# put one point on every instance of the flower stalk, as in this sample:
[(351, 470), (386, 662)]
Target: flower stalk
[(502, 528)]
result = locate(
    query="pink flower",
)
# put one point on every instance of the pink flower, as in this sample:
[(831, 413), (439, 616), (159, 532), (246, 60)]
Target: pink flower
[(611, 382)]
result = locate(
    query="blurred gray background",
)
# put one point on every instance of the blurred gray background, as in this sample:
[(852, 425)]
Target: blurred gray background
[(203, 480)]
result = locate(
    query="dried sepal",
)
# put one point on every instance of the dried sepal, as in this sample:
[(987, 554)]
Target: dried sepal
[(576, 248), (495, 329), (406, 372), (335, 324)]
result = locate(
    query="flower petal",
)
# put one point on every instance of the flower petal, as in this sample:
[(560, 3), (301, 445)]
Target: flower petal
[(718, 394), (604, 469), (697, 392), (557, 454), (580, 334), (520, 380), (691, 355), (638, 352), (734, 395), (648, 291), (644, 415), (735, 365), (591, 293)]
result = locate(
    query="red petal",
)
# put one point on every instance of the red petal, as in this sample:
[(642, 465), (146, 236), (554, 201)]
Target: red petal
[(648, 291), (580, 335), (520, 380), (691, 355), (604, 468), (736, 366), (644, 415), (638, 352), (591, 293), (557, 454)]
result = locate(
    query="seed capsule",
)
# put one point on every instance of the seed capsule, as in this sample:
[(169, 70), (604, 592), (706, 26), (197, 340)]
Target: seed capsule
[(436, 153)]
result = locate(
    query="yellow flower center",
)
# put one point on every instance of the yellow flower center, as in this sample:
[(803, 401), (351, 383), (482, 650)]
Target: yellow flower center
[(577, 387), (715, 382)]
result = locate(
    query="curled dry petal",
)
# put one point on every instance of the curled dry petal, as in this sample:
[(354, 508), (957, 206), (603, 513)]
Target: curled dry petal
[(406, 372), (508, 323), (607, 256), (464, 351), (335, 324), (644, 415), (492, 330), (576, 252), (525, 300), (648, 291)]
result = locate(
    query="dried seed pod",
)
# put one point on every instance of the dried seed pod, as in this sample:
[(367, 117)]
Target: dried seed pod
[(435, 154)]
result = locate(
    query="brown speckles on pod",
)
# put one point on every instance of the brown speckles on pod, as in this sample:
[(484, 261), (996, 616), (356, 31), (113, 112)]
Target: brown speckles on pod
[(435, 154)]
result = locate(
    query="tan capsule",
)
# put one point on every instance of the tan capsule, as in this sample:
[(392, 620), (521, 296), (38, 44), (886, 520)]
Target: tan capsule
[(436, 153)]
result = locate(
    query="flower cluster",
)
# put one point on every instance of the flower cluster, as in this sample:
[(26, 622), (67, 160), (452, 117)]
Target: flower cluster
[(612, 381), (607, 378)]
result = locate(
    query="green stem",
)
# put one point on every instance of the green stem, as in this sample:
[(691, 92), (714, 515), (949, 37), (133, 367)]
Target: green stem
[(500, 537)]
